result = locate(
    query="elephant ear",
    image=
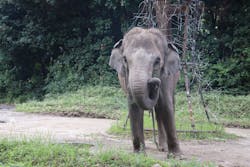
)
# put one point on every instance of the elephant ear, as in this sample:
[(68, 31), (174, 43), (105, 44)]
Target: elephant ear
[(172, 60), (116, 61)]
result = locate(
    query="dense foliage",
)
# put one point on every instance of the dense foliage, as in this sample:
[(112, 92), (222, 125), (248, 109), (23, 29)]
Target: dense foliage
[(57, 45), (226, 45), (53, 46)]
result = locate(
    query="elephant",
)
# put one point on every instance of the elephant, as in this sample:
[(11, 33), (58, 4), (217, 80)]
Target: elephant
[(148, 71)]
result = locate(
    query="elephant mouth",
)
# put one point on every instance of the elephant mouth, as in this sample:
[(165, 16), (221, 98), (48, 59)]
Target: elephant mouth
[(153, 88), (145, 92), (150, 98)]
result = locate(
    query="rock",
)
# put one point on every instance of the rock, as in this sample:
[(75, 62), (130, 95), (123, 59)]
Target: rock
[(156, 165)]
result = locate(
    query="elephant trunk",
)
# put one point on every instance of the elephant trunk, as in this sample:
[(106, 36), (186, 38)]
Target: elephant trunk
[(144, 89)]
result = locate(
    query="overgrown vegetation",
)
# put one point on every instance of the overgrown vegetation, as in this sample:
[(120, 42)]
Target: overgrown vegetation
[(40, 153), (56, 46)]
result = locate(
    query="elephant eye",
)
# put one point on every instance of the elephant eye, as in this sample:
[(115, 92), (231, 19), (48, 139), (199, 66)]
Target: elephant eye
[(157, 61), (125, 59)]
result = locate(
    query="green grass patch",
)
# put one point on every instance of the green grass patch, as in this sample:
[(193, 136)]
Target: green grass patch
[(229, 109), (110, 102), (222, 109), (93, 101), (203, 130), (38, 153)]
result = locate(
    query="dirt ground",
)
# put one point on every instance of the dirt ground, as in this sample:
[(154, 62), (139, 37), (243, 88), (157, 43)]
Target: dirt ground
[(230, 153)]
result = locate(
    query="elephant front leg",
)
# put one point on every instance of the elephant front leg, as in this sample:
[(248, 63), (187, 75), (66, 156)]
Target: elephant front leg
[(166, 103), (136, 124), (168, 115), (162, 137)]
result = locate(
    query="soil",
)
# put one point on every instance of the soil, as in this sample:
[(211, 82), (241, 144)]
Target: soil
[(74, 114), (230, 153)]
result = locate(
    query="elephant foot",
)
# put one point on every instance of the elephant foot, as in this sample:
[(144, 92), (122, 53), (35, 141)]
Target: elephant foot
[(174, 151), (178, 156), (163, 148), (141, 151), (138, 146)]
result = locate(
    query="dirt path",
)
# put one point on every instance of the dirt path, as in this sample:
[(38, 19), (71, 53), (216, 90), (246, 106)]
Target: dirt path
[(62, 129), (229, 153)]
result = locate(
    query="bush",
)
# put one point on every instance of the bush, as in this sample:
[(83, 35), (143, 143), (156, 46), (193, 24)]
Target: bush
[(225, 45), (56, 45)]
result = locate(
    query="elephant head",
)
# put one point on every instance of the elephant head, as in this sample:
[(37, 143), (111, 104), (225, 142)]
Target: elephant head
[(142, 60)]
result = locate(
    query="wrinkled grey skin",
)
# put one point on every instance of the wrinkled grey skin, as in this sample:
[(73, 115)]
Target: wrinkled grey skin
[(148, 70)]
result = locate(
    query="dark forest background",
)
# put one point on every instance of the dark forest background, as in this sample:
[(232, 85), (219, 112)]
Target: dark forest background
[(53, 46)]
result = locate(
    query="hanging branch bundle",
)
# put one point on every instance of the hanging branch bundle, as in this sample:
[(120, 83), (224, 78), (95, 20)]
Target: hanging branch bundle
[(180, 22)]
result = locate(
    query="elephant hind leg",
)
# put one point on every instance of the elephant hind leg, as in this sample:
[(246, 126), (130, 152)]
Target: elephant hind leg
[(136, 123)]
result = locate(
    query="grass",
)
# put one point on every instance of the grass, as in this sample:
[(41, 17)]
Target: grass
[(110, 102), (40, 153), (208, 130), (224, 109), (98, 101), (229, 109)]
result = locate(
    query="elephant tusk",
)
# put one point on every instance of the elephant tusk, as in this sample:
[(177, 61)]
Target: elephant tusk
[(118, 44)]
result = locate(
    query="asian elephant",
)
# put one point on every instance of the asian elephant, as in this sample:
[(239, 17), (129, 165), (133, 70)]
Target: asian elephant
[(148, 71)]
